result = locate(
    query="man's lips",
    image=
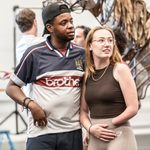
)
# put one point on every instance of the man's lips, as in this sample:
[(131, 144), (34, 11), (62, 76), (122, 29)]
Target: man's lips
[(71, 33)]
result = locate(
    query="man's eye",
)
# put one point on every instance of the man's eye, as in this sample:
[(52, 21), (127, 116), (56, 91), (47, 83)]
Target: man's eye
[(63, 23)]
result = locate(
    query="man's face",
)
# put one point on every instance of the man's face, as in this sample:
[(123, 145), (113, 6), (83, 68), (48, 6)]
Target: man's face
[(63, 28), (79, 38)]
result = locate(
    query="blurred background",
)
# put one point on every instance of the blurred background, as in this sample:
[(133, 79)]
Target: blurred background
[(16, 122)]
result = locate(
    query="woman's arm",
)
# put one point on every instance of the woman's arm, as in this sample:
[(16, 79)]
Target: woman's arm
[(123, 75), (84, 111)]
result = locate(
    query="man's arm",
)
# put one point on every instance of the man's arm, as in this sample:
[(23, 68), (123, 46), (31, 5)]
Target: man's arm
[(14, 92)]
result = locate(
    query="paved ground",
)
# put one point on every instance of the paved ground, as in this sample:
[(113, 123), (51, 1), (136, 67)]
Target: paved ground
[(141, 124)]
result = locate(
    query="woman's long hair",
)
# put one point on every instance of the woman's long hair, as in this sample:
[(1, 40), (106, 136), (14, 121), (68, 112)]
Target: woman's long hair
[(116, 57)]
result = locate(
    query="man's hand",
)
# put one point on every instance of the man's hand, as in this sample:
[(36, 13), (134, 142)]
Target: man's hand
[(39, 115), (5, 75)]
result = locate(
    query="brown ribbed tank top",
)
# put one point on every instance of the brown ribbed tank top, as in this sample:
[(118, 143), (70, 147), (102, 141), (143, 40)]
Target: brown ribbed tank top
[(104, 97)]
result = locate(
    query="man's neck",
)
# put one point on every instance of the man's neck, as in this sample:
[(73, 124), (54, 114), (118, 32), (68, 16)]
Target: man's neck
[(59, 44), (30, 32)]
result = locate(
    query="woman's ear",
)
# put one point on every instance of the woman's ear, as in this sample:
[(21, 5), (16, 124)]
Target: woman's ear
[(90, 47)]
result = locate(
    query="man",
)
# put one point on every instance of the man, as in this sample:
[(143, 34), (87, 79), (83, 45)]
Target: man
[(27, 24), (80, 35), (55, 68)]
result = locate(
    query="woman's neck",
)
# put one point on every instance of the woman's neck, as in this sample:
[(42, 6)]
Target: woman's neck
[(100, 64)]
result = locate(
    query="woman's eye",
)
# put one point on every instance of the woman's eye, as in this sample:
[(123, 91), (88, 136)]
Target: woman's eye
[(100, 40), (110, 41)]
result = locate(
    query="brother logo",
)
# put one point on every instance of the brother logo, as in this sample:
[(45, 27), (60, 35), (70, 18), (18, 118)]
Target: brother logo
[(60, 81)]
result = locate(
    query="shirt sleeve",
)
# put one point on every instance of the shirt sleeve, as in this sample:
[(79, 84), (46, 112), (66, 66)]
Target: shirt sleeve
[(26, 70)]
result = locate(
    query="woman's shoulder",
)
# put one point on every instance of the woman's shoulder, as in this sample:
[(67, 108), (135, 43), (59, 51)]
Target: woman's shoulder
[(121, 70), (121, 67)]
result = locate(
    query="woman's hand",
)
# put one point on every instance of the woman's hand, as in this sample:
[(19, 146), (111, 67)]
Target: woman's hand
[(39, 116), (85, 141), (101, 132)]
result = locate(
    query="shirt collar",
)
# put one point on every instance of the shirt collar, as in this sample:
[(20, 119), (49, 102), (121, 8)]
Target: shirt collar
[(51, 47)]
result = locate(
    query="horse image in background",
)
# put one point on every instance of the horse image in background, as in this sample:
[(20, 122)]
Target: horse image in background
[(131, 18)]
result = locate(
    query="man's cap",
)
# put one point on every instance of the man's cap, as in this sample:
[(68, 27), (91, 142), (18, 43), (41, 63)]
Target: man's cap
[(51, 11)]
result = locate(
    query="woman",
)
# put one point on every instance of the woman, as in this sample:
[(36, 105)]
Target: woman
[(109, 94)]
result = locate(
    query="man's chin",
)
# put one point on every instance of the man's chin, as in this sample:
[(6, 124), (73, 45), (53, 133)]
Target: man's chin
[(70, 38)]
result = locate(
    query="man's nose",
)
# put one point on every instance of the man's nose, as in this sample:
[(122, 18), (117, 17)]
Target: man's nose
[(70, 25)]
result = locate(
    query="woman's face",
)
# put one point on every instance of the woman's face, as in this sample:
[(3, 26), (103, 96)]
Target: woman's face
[(102, 44)]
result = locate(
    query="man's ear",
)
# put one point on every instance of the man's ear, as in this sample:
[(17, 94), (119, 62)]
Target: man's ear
[(35, 22), (49, 27)]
